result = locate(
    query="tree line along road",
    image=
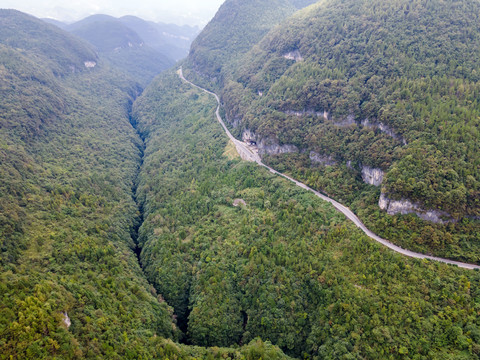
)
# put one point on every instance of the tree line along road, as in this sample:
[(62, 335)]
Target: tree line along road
[(247, 154)]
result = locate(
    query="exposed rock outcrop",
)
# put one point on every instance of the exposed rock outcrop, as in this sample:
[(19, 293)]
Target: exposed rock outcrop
[(293, 55), (394, 207), (346, 122), (271, 147), (343, 122), (66, 320), (383, 128), (248, 136), (267, 146), (90, 64), (322, 159), (304, 112), (372, 176), (238, 202)]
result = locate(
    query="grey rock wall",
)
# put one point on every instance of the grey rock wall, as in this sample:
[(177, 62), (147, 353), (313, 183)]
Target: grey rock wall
[(322, 159), (394, 207), (293, 55), (372, 176)]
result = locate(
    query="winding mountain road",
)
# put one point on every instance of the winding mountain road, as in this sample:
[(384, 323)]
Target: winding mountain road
[(247, 154)]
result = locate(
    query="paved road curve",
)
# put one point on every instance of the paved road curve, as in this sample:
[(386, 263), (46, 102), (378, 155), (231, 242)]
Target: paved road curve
[(247, 154)]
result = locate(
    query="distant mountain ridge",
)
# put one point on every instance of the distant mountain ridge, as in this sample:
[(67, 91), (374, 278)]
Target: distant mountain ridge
[(169, 39), (107, 35), (121, 46), (65, 54)]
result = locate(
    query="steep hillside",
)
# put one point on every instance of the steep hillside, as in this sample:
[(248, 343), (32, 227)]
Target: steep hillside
[(237, 26), (239, 253), (63, 54), (122, 47), (384, 93), (70, 284)]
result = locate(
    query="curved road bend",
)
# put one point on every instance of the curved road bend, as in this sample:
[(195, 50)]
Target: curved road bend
[(246, 154)]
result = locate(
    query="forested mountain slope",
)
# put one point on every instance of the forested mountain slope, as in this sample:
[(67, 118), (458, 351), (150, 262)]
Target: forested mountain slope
[(237, 26), (61, 53), (70, 285), (235, 29), (382, 92), (239, 253), (122, 47)]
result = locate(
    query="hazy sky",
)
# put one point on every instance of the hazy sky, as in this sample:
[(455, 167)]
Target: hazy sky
[(193, 12)]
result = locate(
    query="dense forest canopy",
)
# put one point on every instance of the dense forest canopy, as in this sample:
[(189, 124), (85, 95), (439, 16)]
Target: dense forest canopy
[(284, 266), (385, 85), (130, 228), (71, 286), (237, 26), (69, 159), (62, 53)]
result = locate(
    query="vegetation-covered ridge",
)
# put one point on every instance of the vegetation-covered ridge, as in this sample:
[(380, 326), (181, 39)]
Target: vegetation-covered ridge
[(237, 26), (121, 46), (169, 39), (70, 285), (384, 85), (62, 53)]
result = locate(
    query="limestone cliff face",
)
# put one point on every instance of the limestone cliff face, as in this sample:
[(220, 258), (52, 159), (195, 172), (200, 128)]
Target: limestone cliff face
[(271, 147), (308, 112), (345, 122), (372, 176), (321, 159), (248, 136), (383, 128), (394, 207), (90, 64), (268, 146), (66, 320), (293, 55)]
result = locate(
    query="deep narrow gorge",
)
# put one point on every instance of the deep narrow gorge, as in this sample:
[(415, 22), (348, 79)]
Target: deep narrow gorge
[(131, 229), (139, 218), (180, 319)]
